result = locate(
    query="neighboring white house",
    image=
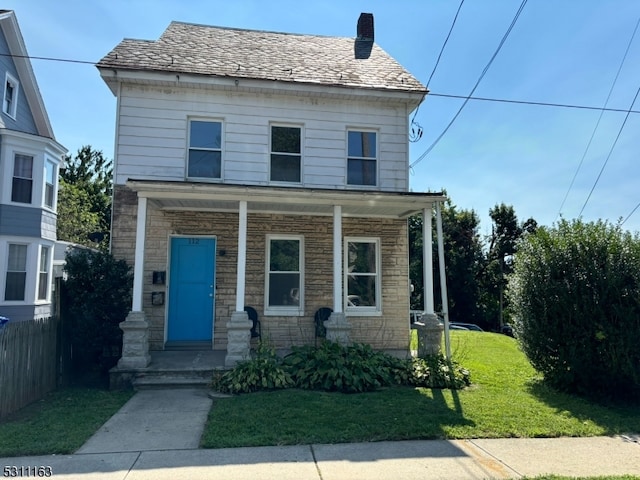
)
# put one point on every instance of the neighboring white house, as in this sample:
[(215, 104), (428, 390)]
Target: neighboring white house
[(30, 158), (268, 170)]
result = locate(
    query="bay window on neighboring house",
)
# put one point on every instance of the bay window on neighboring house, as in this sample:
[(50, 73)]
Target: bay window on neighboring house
[(204, 158), (16, 273), (284, 278), (49, 184), (362, 276), (22, 185), (362, 160), (286, 154), (43, 273), (11, 90)]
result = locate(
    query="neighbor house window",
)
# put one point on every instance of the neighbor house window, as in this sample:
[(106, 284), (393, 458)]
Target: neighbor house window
[(22, 185), (49, 183), (10, 102), (43, 274), (284, 275), (361, 158), (16, 272), (362, 272), (286, 154), (205, 149)]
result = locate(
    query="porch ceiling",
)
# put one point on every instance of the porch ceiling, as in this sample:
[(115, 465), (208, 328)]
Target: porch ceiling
[(297, 201)]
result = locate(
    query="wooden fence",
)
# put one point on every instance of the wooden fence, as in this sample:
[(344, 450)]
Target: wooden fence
[(28, 362)]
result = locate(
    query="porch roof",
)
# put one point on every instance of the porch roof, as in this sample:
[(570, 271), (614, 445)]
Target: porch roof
[(282, 200)]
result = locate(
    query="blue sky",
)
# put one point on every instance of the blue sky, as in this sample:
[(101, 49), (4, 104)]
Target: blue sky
[(560, 51)]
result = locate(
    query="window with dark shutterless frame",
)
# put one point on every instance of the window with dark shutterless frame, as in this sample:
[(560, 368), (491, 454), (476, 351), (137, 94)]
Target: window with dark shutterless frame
[(204, 159), (362, 158), (286, 154)]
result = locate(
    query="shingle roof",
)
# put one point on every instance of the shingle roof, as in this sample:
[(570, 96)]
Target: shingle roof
[(199, 49)]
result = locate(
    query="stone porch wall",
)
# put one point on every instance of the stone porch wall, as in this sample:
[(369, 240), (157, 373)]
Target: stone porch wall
[(389, 331)]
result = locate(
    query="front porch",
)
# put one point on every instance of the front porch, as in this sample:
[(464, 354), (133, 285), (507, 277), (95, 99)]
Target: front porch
[(171, 369)]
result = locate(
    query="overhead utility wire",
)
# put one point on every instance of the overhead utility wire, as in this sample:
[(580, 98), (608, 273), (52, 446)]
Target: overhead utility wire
[(484, 72), (595, 129), (632, 212), (51, 59), (609, 155), (436, 65)]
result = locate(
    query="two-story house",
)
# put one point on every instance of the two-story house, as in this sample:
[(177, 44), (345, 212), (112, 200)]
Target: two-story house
[(262, 169), (30, 158)]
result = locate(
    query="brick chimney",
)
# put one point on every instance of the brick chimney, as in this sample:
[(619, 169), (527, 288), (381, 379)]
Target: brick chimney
[(365, 27)]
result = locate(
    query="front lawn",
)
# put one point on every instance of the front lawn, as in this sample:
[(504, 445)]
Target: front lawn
[(507, 399), (59, 423)]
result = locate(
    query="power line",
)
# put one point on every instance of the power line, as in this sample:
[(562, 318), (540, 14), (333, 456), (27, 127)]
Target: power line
[(593, 134), (610, 152), (484, 72), (632, 212), (418, 134), (531, 102), (51, 59)]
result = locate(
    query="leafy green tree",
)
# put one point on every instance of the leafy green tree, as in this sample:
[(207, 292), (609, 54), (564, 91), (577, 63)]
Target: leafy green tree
[(84, 200), (575, 294)]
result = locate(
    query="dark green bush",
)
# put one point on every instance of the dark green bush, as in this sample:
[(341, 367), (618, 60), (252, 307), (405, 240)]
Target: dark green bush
[(263, 372), (575, 296), (98, 298), (435, 371)]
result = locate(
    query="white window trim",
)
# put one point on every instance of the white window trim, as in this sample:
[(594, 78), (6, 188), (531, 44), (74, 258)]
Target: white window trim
[(55, 185), (34, 180), (29, 288), (16, 94), (362, 311), (271, 152), (221, 149), (377, 158), (291, 310), (47, 298)]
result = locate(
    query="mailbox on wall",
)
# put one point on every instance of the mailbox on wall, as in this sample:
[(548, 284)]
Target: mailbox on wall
[(159, 277), (157, 298)]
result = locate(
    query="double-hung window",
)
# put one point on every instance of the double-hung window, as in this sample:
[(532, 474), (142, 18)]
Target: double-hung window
[(284, 289), (205, 149), (43, 274), (49, 183), (10, 102), (22, 185), (16, 272), (286, 154), (362, 163), (362, 272)]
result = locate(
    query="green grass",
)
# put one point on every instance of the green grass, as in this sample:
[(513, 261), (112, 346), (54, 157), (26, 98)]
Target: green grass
[(507, 399), (59, 423)]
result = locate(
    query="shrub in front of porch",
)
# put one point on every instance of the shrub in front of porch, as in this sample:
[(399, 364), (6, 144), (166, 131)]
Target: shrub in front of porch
[(338, 368)]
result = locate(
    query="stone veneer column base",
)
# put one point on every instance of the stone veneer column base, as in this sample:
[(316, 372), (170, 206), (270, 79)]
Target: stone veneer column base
[(135, 342), (338, 328), (238, 338), (429, 335)]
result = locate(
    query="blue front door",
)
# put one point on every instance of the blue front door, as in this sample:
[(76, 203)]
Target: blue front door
[(191, 289)]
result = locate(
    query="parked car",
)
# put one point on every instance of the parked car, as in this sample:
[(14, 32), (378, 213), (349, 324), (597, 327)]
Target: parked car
[(466, 326), (507, 330)]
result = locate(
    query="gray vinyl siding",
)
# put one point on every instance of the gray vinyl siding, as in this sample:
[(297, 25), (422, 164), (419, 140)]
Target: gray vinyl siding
[(21, 313), (27, 222), (24, 121)]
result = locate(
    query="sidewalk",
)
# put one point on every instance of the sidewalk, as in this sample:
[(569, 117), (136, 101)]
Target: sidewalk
[(155, 436)]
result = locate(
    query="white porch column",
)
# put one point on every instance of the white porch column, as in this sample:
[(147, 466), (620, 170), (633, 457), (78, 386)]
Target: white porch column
[(337, 259), (427, 260), (239, 326), (138, 268), (443, 280), (338, 329), (135, 329), (242, 255)]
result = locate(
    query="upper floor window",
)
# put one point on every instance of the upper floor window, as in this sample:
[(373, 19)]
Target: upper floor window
[(286, 154), (43, 274), (11, 88), (22, 185), (284, 289), (362, 262), (49, 183), (361, 158), (205, 149), (16, 272)]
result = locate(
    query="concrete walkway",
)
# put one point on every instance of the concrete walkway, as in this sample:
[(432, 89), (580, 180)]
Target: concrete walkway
[(156, 434)]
